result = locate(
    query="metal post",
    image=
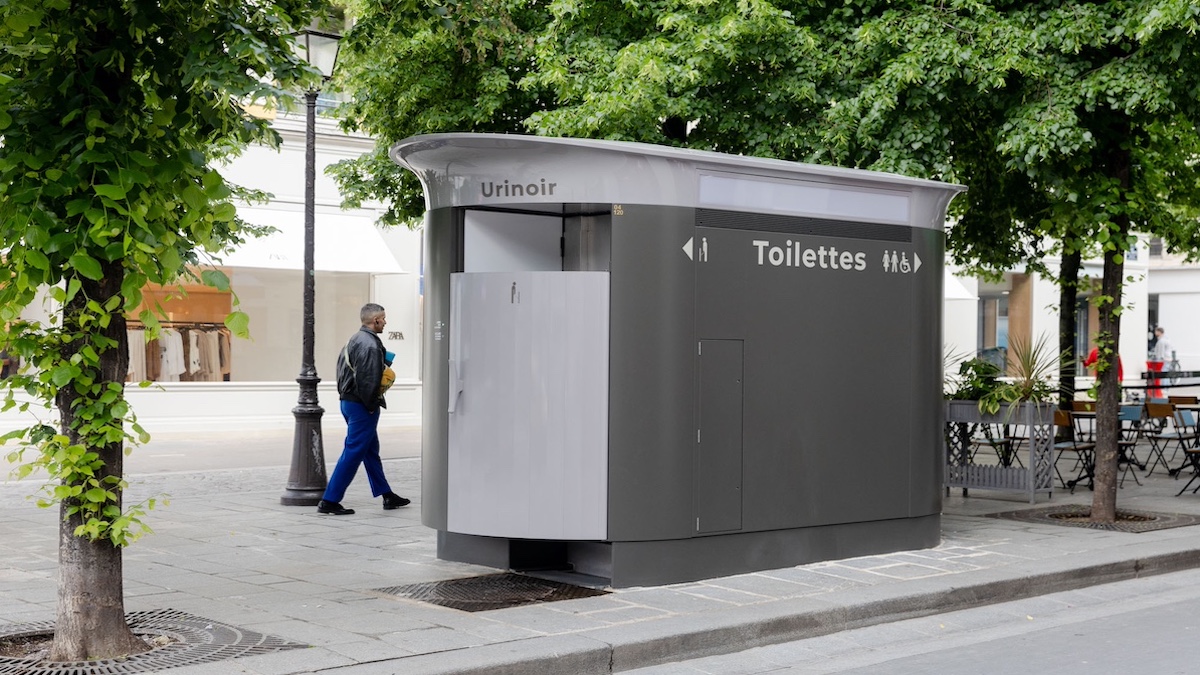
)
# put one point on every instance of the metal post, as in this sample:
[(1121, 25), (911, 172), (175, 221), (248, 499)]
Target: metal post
[(306, 480)]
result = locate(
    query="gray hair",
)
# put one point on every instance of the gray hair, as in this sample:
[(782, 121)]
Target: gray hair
[(369, 311)]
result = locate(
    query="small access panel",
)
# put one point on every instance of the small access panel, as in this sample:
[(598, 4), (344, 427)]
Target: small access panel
[(719, 437)]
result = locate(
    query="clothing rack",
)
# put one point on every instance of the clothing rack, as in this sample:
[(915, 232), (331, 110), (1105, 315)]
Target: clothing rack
[(137, 323), (177, 356)]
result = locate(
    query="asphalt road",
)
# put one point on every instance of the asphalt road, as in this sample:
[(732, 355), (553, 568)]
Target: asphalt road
[(1144, 626)]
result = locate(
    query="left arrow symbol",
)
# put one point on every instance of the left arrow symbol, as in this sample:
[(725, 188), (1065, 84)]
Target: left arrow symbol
[(687, 248)]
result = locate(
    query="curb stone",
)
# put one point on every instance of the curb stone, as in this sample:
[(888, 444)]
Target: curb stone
[(613, 650)]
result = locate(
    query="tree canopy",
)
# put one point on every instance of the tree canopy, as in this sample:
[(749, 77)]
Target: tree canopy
[(1073, 124), (111, 115), (1010, 98), (1086, 117)]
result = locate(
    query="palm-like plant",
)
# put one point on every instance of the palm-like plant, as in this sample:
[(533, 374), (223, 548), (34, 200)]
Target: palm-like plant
[(1032, 369)]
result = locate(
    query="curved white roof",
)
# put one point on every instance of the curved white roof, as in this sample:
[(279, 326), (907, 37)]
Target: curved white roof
[(512, 171)]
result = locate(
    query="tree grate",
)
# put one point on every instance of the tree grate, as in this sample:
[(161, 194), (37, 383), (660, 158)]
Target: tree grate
[(491, 591), (198, 640), (1075, 515)]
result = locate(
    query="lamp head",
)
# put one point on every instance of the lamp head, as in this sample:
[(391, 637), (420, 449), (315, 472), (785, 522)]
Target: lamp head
[(319, 49)]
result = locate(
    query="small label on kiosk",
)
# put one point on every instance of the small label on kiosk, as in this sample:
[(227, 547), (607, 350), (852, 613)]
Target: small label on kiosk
[(537, 188)]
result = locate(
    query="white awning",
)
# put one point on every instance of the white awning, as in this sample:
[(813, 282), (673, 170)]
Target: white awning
[(342, 243), (953, 289)]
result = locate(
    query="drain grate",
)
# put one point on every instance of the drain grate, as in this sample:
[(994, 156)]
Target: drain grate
[(199, 641), (491, 591), (1075, 515)]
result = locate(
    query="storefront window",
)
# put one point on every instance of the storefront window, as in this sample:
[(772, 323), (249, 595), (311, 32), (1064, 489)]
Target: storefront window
[(993, 329), (195, 345)]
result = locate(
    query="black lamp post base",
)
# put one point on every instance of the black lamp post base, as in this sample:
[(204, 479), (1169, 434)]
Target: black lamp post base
[(306, 480), (301, 497)]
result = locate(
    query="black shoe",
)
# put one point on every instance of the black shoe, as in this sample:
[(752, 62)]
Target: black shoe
[(391, 500), (333, 508)]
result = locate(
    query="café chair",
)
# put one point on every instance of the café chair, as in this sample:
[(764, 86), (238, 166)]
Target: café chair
[(1129, 433), (1185, 424), (1083, 414), (1001, 443), (1084, 451), (1191, 451), (1160, 423), (1158, 417), (1191, 458)]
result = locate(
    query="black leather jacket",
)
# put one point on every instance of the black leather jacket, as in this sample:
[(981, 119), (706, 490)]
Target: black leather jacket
[(360, 370)]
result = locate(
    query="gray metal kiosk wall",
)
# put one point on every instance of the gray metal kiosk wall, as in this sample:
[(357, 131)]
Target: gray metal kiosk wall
[(654, 365)]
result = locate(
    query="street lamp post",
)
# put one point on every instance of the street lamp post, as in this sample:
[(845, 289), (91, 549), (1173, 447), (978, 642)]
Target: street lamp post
[(306, 479)]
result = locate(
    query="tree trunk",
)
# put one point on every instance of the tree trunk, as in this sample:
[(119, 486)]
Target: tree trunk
[(1108, 401), (1068, 290), (90, 622)]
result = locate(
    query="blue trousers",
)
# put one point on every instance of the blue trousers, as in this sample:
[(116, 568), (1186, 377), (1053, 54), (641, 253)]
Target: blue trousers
[(362, 448)]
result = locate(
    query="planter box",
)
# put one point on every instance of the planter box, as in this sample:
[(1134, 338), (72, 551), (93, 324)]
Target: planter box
[(1032, 422)]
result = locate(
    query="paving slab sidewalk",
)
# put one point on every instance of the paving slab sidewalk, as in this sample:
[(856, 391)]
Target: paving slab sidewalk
[(226, 550)]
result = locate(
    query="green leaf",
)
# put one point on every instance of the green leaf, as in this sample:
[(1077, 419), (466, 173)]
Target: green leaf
[(87, 266), (96, 495), (225, 212), (115, 192), (37, 259), (215, 279), (131, 289), (238, 324), (130, 177), (211, 180), (193, 197), (169, 260), (63, 374), (22, 22), (36, 236)]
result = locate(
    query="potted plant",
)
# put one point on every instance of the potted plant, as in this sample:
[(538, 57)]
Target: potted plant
[(980, 399), (1031, 369)]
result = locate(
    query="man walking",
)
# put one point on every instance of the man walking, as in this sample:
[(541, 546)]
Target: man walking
[(360, 377), (1163, 354)]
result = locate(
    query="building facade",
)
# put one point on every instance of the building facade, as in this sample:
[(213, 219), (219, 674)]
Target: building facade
[(204, 379), (1174, 295), (983, 318)]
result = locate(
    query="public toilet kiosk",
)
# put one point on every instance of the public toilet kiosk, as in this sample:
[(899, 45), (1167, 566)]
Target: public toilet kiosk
[(651, 365)]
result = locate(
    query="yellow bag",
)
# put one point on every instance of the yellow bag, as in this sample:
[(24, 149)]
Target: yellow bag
[(389, 378)]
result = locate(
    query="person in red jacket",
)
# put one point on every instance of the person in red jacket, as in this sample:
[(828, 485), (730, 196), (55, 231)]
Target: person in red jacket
[(1094, 356)]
